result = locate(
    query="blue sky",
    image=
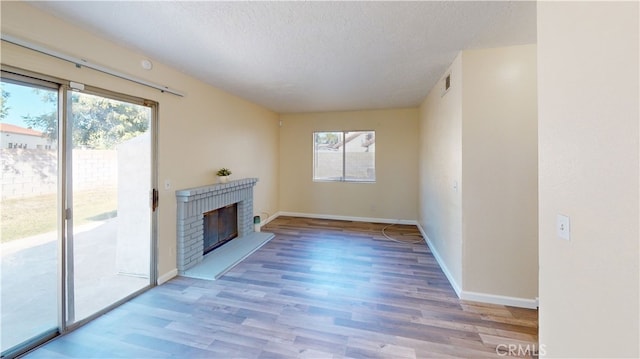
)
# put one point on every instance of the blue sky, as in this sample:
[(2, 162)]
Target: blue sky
[(24, 101)]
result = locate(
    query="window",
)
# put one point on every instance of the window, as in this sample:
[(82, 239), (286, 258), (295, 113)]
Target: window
[(344, 156)]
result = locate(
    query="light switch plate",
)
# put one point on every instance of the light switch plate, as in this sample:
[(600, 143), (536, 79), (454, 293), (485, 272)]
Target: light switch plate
[(563, 227)]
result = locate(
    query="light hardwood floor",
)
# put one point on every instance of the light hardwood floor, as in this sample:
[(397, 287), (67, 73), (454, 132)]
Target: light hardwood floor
[(319, 289)]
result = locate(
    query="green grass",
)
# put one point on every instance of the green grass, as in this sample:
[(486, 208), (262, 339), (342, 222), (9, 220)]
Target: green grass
[(25, 217)]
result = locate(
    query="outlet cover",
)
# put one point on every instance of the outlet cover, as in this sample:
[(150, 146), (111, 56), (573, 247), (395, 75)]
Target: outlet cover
[(563, 227)]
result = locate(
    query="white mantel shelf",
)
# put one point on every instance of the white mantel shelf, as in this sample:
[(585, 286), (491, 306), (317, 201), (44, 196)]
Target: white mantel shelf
[(185, 195)]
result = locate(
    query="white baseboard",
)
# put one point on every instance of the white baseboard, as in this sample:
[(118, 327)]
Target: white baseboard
[(270, 218), (441, 263), (475, 296), (499, 299), (349, 218), (167, 276)]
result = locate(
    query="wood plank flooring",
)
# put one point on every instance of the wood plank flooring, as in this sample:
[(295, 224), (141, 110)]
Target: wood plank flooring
[(319, 289)]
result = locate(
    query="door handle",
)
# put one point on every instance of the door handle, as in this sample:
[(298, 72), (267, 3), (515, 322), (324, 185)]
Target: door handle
[(155, 199)]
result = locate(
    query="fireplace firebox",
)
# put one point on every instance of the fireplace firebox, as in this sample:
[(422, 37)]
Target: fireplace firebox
[(220, 226)]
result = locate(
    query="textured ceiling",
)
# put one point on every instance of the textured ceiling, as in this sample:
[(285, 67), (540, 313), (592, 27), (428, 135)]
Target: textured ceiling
[(308, 56)]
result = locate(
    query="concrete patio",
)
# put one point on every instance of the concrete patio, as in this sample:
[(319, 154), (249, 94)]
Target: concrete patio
[(29, 280)]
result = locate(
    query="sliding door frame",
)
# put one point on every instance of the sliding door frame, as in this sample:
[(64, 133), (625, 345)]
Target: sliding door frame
[(64, 203), (63, 209), (25, 78)]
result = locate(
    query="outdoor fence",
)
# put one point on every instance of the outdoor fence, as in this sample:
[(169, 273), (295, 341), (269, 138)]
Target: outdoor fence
[(31, 172)]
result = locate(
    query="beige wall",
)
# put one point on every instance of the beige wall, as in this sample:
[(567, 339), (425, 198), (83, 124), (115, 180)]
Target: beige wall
[(589, 159), (392, 196), (500, 172), (478, 175), (440, 158), (199, 133)]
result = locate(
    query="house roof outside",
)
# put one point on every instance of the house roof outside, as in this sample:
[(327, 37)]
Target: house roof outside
[(9, 128)]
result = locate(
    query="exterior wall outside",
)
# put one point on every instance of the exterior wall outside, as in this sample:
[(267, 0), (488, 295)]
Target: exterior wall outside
[(27, 173), (134, 212), (22, 141)]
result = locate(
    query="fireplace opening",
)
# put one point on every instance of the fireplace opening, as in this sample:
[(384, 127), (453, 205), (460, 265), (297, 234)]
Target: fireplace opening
[(220, 226)]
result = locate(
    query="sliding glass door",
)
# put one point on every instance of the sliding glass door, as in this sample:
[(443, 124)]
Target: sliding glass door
[(109, 162), (77, 213), (30, 207)]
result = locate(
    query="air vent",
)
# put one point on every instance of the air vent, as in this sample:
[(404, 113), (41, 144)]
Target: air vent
[(446, 84)]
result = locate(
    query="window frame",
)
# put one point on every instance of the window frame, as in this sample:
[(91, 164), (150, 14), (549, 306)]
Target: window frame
[(343, 178)]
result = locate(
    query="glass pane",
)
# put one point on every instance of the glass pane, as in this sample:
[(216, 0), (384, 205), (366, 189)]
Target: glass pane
[(327, 156), (28, 202), (111, 174), (360, 156)]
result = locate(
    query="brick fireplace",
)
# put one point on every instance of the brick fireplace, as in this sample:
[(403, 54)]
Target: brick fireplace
[(193, 203)]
